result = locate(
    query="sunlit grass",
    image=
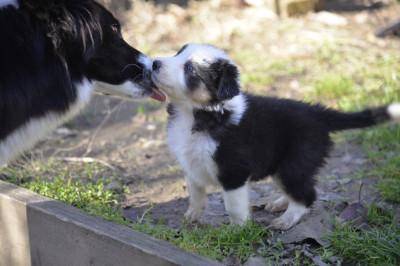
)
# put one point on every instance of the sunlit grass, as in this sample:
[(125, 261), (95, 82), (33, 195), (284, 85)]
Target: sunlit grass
[(376, 245)]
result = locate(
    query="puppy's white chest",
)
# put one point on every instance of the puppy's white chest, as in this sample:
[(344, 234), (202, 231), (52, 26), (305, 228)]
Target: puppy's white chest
[(194, 150)]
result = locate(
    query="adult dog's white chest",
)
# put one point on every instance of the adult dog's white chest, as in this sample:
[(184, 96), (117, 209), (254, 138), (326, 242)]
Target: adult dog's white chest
[(194, 150), (28, 134)]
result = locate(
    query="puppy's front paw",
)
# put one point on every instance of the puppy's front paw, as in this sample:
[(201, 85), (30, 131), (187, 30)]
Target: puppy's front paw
[(193, 214)]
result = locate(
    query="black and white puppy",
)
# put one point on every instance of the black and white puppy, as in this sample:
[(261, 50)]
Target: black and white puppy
[(53, 55), (224, 137)]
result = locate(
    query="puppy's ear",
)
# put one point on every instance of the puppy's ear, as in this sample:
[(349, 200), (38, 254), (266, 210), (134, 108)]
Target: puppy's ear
[(228, 86)]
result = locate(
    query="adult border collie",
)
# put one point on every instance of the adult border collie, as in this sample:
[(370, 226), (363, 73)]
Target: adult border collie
[(53, 55), (224, 137)]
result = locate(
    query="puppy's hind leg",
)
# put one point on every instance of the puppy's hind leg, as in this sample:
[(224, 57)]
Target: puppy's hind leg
[(291, 216), (198, 202), (278, 205), (237, 204), (299, 192)]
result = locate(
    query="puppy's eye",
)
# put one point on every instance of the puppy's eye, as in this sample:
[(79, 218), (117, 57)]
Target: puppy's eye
[(189, 68)]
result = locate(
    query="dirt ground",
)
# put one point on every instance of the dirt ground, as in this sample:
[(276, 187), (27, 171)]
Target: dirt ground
[(130, 137)]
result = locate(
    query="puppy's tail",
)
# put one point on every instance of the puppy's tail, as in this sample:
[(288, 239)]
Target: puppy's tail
[(337, 121)]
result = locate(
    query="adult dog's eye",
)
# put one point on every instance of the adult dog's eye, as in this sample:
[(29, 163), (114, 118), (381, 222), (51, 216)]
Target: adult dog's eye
[(189, 68)]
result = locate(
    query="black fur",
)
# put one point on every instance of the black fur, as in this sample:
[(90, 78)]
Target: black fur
[(40, 38), (213, 122), (228, 85), (280, 137), (284, 138)]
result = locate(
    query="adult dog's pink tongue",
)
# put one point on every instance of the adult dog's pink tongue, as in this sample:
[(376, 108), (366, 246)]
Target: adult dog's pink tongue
[(158, 95)]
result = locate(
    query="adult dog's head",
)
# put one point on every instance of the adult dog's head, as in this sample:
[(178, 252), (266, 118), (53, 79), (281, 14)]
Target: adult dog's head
[(87, 39), (199, 75)]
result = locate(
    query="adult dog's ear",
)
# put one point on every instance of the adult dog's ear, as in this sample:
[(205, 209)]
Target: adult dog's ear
[(229, 85)]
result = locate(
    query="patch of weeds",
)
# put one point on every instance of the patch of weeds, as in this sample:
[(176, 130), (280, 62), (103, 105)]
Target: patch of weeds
[(219, 242), (90, 170), (271, 251), (141, 110), (376, 245), (15, 176), (325, 255), (175, 168), (89, 197), (214, 242)]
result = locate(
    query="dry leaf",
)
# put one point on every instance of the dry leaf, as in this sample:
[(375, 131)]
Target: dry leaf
[(355, 213), (129, 213)]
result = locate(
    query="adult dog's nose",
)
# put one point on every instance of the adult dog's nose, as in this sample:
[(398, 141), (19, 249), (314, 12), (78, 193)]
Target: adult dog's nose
[(156, 64)]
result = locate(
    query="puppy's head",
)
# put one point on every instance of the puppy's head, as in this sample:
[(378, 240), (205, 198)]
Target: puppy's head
[(199, 75)]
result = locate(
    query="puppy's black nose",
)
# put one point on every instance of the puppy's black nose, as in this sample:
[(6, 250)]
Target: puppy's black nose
[(156, 64)]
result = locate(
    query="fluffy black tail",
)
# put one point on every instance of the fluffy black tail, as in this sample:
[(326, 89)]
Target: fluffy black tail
[(340, 121)]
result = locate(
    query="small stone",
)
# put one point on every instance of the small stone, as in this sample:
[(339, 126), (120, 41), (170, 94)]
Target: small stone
[(154, 144), (255, 261), (329, 18), (151, 127), (112, 186)]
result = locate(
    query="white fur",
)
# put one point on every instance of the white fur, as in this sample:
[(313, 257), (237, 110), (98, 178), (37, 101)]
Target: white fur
[(4, 3), (194, 153), (128, 89), (237, 105), (145, 61), (198, 201), (25, 137), (394, 110), (291, 216), (193, 150), (237, 204)]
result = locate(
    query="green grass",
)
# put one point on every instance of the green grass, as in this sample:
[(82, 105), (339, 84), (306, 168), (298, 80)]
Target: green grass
[(350, 86), (88, 197), (382, 145), (215, 242), (377, 245)]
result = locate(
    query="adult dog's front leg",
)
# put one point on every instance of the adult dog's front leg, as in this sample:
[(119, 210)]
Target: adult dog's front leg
[(198, 201), (237, 204)]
